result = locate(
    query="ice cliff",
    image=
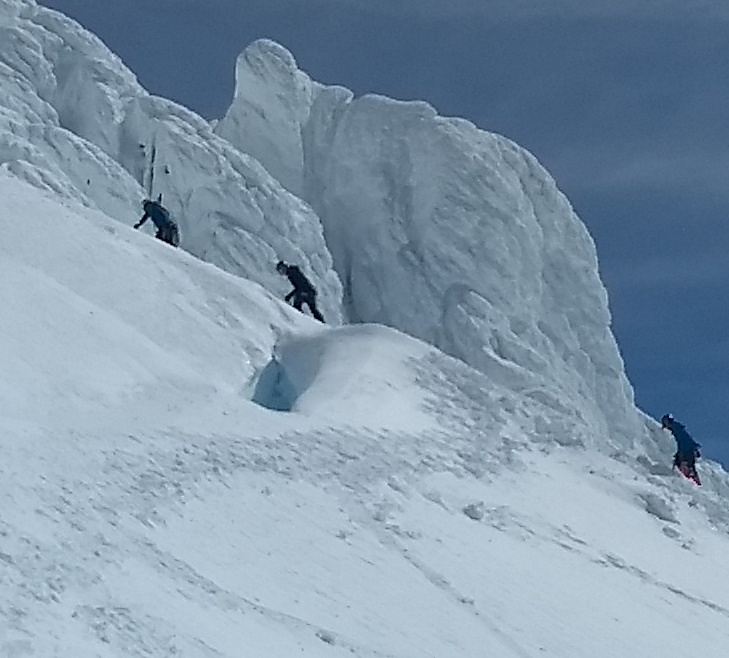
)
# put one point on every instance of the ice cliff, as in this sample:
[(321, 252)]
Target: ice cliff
[(444, 231), (74, 120)]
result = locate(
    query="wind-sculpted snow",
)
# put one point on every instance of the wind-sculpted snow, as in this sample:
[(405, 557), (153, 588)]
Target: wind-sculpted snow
[(323, 375), (74, 120), (272, 103), (400, 507), (451, 234), (189, 467), (444, 231)]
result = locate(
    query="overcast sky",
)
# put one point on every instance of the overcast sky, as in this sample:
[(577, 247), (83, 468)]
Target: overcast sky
[(624, 103)]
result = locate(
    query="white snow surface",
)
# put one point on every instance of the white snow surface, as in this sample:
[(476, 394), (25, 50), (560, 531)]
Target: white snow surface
[(403, 505), (75, 120), (444, 231), (192, 468)]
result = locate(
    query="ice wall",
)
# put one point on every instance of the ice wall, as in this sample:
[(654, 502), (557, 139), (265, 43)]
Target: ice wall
[(447, 232), (74, 119)]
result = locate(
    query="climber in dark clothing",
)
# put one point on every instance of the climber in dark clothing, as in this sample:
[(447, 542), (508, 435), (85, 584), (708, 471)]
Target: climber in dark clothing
[(687, 450), (303, 292), (167, 230)]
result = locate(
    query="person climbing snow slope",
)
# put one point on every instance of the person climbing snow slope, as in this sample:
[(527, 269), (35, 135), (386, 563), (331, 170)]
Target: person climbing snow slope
[(687, 450), (167, 230), (303, 292)]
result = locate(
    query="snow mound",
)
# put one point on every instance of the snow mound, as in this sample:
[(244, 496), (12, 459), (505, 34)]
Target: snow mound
[(359, 372)]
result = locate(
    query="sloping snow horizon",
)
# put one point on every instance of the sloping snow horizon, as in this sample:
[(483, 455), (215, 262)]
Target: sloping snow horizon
[(452, 466), (403, 506)]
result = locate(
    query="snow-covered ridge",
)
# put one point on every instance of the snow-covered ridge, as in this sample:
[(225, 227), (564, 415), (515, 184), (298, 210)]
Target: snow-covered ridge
[(439, 229), (444, 231), (75, 120), (189, 467)]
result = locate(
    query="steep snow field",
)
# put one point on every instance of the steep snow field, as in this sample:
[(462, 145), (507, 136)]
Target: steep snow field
[(75, 121), (452, 466), (402, 507)]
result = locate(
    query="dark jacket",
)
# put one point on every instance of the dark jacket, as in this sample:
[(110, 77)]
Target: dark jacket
[(686, 447), (158, 214), (301, 284)]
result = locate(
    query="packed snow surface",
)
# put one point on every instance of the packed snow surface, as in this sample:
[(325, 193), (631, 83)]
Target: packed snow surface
[(404, 505), (452, 466)]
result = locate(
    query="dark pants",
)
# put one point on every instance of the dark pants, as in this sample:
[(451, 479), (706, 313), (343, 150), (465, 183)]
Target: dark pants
[(169, 234), (308, 298), (686, 463)]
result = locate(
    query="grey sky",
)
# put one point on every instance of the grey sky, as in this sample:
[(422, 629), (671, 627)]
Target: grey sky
[(623, 102)]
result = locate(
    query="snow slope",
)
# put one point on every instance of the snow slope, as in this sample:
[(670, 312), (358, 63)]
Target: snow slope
[(74, 119), (404, 506), (190, 467)]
